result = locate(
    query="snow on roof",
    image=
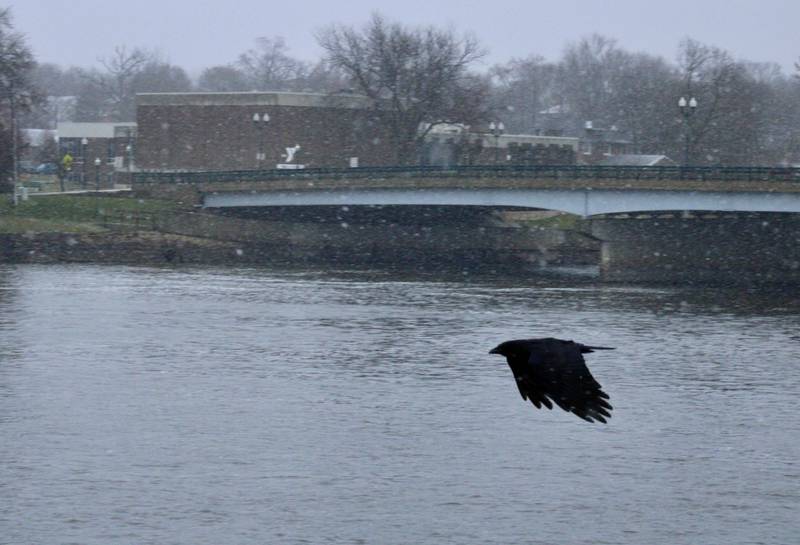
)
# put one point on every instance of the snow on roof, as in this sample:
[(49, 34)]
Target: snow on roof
[(255, 98), (90, 130), (634, 160), (37, 137), (557, 109)]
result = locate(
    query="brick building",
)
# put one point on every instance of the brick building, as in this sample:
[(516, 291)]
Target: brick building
[(112, 143), (528, 149), (449, 144), (259, 130), (267, 130), (597, 144)]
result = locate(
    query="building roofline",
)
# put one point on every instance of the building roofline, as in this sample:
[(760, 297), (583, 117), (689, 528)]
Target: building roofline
[(90, 130), (255, 98)]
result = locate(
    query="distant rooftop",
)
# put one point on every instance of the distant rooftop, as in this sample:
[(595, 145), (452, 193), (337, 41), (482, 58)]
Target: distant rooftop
[(555, 110), (634, 160), (37, 137), (90, 130), (504, 140)]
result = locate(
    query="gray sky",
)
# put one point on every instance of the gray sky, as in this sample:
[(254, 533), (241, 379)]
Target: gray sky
[(196, 34)]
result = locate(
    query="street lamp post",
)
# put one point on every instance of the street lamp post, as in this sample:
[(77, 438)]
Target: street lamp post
[(129, 153), (260, 121), (84, 143), (97, 163), (687, 109), (496, 129)]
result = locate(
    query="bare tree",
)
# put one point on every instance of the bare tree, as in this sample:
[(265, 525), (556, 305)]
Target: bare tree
[(324, 78), (268, 67), (223, 79), (724, 116), (785, 126), (522, 89), (92, 102), (420, 76), (52, 80), (115, 83), (58, 87), (642, 101), (110, 94), (158, 76), (16, 94), (586, 78)]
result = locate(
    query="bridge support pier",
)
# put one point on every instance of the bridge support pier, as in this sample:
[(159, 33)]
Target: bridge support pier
[(417, 238), (718, 247)]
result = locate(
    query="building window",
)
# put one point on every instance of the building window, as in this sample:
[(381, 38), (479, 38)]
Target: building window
[(110, 151)]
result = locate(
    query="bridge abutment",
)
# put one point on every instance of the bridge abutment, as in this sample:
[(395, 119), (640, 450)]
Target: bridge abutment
[(716, 247), (413, 237)]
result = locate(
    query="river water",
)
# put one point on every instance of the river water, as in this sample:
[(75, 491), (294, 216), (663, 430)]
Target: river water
[(245, 406)]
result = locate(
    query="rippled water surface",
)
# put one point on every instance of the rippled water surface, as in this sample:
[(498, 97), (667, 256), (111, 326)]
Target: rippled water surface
[(242, 406)]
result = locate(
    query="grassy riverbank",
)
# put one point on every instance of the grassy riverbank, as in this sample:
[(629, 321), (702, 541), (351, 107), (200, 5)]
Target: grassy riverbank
[(78, 213), (118, 228), (103, 228)]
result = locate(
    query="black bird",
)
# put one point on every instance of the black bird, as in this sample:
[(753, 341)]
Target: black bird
[(554, 370)]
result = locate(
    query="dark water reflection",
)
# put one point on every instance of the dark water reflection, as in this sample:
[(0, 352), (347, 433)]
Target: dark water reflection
[(243, 406)]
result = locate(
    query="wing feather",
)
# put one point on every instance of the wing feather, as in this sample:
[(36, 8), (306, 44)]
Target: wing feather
[(555, 372), (560, 371), (552, 371)]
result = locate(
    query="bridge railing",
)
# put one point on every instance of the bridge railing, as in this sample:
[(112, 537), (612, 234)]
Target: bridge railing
[(586, 172)]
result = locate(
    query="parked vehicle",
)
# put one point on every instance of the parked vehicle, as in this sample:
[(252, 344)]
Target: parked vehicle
[(47, 168)]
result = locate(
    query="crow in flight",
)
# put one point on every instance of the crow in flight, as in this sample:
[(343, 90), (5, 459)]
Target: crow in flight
[(553, 370)]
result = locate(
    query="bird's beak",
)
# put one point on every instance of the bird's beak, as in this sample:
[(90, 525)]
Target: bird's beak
[(494, 350)]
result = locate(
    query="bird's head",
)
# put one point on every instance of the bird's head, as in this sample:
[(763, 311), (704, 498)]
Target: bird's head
[(502, 349)]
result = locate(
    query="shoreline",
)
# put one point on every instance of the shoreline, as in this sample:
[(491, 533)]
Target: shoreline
[(156, 249), (153, 248)]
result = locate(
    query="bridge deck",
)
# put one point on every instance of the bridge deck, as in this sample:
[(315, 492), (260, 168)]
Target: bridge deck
[(581, 190), (554, 172), (317, 184)]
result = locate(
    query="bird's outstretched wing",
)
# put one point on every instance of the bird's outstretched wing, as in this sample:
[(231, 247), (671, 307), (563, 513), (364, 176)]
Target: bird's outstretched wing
[(526, 381), (559, 372), (551, 371)]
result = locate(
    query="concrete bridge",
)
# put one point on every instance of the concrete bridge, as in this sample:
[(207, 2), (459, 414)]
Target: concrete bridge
[(582, 190), (647, 244)]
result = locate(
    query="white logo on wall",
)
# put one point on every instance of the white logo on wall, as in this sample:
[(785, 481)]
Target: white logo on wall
[(289, 155)]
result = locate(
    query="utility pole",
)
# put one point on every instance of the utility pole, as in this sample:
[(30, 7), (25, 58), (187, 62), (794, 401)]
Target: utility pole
[(14, 143)]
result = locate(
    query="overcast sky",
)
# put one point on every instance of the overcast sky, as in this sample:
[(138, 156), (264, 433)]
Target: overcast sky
[(196, 34)]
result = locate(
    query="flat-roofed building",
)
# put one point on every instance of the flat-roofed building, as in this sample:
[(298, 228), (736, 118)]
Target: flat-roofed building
[(259, 130), (113, 143), (452, 143)]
